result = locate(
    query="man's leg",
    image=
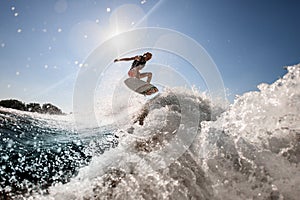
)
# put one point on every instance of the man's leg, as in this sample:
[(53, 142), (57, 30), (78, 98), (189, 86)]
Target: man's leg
[(147, 74)]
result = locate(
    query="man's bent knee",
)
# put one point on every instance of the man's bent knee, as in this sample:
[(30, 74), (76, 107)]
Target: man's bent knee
[(149, 74)]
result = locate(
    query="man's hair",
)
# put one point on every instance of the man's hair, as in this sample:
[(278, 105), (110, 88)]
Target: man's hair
[(147, 53)]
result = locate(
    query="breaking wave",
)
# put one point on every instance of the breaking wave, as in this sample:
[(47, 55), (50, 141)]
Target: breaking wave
[(179, 145)]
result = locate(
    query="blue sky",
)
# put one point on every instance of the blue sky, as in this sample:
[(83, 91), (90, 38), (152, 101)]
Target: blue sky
[(43, 43)]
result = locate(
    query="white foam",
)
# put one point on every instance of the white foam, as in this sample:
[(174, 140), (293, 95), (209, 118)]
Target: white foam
[(249, 152)]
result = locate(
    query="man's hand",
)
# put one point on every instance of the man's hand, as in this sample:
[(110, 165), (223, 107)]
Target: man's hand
[(127, 59)]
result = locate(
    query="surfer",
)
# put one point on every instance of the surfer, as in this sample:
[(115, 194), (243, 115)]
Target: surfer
[(139, 63)]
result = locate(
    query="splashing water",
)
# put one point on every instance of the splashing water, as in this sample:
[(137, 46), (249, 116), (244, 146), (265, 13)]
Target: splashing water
[(249, 151)]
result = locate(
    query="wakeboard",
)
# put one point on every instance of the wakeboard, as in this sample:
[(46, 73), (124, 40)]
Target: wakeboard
[(140, 86)]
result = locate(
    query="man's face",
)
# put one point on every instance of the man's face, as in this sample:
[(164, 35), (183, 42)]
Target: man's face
[(148, 56)]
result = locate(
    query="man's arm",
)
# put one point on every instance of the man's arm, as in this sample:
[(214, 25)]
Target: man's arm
[(126, 59)]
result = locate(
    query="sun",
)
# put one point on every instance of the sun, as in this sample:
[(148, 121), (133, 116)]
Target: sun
[(125, 18)]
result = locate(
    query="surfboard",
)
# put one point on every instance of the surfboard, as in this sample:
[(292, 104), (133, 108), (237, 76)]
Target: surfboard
[(140, 86)]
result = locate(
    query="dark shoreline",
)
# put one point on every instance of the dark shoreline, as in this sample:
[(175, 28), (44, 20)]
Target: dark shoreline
[(46, 108)]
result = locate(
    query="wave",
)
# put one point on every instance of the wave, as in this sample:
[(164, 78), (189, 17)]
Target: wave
[(181, 145), (252, 150), (38, 150)]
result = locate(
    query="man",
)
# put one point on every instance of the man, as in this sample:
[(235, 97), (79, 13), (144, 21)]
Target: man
[(138, 64)]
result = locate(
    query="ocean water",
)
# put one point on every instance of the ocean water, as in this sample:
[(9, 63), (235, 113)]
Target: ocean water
[(37, 151), (178, 145)]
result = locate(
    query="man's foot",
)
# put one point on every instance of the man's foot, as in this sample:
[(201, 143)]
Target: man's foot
[(151, 91)]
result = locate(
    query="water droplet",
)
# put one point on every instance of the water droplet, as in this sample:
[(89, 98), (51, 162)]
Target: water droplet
[(5, 157)]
